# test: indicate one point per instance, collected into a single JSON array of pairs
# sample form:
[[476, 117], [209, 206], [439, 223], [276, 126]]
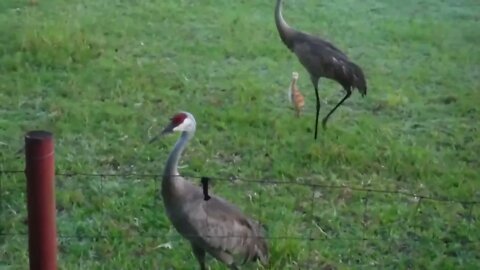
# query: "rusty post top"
[[38, 135]]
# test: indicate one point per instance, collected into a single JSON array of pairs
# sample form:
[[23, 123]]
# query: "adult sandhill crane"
[[321, 59], [295, 96], [214, 226]]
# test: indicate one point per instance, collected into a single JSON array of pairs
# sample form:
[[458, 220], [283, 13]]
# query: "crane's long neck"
[[293, 84], [172, 163], [291, 89], [285, 31]]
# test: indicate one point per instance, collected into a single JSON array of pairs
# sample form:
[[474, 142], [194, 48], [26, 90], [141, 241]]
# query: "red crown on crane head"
[[178, 118]]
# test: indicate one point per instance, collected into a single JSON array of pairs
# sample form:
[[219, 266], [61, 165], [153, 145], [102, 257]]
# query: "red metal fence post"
[[40, 172]]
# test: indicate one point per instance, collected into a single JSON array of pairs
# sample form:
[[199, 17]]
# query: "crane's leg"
[[324, 121], [200, 255], [315, 85]]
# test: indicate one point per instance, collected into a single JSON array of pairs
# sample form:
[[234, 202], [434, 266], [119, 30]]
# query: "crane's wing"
[[323, 59], [223, 230]]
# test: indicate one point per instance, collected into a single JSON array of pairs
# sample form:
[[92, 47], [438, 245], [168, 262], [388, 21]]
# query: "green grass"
[[100, 74]]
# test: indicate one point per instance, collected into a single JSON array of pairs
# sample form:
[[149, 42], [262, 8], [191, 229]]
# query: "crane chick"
[[212, 226], [295, 96]]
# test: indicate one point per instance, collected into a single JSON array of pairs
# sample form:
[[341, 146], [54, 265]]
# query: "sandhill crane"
[[321, 59], [214, 226], [295, 96]]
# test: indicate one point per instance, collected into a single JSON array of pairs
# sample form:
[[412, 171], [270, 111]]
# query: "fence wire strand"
[[440, 198]]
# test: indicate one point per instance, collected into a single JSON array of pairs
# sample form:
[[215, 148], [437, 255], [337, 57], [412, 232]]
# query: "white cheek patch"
[[184, 125]]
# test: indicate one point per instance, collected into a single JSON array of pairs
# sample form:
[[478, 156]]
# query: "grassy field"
[[104, 76]]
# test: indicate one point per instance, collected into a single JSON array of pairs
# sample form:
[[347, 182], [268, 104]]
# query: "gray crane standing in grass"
[[214, 225], [321, 59]]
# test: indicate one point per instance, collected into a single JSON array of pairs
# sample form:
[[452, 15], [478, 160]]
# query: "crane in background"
[[321, 59]]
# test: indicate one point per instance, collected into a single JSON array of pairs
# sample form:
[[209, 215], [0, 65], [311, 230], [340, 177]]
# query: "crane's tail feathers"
[[261, 246], [262, 251], [358, 79], [259, 250]]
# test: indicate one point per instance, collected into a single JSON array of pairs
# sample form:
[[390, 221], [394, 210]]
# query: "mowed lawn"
[[105, 76]]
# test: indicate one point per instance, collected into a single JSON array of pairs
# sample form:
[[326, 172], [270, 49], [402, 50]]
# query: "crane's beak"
[[168, 129]]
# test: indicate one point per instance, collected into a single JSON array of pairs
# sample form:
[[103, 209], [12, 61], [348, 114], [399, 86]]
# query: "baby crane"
[[214, 226], [321, 59], [295, 96]]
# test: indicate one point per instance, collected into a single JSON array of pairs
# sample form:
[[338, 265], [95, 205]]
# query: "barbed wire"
[[279, 237], [438, 198]]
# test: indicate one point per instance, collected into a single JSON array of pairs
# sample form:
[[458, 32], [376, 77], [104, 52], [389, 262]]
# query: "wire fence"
[[357, 207], [419, 196]]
